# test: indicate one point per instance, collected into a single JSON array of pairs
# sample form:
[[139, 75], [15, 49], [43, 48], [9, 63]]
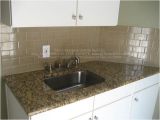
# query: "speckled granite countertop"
[[35, 96]]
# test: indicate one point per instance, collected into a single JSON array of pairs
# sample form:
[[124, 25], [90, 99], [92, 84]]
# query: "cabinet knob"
[[95, 117], [80, 17], [90, 119], [74, 17], [136, 99]]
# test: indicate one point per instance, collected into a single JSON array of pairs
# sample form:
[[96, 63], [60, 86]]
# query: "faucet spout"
[[77, 60], [73, 62]]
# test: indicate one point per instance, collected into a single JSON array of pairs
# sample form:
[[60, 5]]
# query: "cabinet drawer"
[[67, 112], [113, 95], [146, 82]]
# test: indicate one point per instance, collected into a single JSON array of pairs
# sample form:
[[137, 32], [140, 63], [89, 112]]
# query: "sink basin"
[[76, 79]]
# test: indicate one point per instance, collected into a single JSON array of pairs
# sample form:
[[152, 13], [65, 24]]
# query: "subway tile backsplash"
[[22, 47]]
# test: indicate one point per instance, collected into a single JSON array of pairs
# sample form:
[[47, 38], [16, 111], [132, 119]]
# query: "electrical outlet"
[[46, 51]]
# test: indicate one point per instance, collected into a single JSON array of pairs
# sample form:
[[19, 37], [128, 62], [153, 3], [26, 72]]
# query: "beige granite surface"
[[35, 96]]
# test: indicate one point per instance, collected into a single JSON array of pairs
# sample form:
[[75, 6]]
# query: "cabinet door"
[[32, 13], [98, 12], [119, 110], [87, 116], [113, 95], [144, 103]]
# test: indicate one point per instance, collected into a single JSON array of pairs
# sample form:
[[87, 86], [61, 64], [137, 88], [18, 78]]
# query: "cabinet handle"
[[74, 17], [95, 117], [136, 99], [80, 17]]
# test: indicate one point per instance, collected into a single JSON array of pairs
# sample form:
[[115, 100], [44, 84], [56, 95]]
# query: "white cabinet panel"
[[98, 12], [118, 110], [67, 112], [147, 82], [87, 116], [14, 109], [113, 95], [43, 13], [144, 103]]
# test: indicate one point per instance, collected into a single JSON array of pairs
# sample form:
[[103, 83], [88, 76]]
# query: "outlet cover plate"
[[46, 51]]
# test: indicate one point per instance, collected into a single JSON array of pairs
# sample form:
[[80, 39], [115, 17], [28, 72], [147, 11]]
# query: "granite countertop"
[[35, 96]]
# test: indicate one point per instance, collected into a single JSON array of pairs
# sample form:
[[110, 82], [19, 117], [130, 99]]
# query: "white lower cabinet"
[[118, 110], [139, 105], [143, 103]]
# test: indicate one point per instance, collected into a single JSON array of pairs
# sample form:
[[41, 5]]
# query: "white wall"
[[143, 13]]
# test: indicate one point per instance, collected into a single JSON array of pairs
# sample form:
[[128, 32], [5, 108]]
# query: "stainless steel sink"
[[76, 79]]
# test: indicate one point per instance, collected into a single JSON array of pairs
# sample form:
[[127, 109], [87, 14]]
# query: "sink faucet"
[[73, 61], [48, 67]]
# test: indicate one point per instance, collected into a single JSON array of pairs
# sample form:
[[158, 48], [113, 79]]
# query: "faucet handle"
[[48, 67], [73, 61], [77, 59]]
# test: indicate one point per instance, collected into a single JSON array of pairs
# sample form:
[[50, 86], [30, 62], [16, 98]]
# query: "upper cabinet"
[[43, 13], [36, 13], [27, 13], [97, 12]]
